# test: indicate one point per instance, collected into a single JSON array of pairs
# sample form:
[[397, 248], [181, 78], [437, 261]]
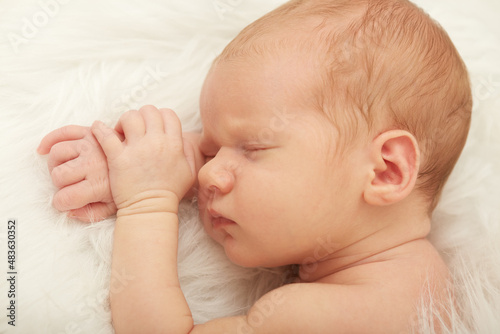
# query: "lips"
[[221, 222], [218, 221]]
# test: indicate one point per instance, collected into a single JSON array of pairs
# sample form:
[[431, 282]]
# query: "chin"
[[253, 260], [240, 257]]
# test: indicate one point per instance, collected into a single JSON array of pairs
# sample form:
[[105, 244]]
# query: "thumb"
[[108, 139]]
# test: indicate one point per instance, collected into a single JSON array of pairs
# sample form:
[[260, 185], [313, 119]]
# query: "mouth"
[[218, 221], [221, 222]]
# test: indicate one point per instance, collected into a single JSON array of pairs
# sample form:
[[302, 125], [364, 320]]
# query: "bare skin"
[[79, 170], [353, 223]]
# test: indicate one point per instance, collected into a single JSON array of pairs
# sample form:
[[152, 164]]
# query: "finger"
[[61, 153], [190, 156], [153, 119], [194, 139], [173, 127], [69, 132], [68, 173], [93, 212], [107, 138], [119, 131], [133, 125], [75, 196]]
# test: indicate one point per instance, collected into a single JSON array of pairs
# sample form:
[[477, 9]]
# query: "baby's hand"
[[78, 167], [151, 162]]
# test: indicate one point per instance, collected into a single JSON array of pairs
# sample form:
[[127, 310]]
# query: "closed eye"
[[253, 151], [253, 148]]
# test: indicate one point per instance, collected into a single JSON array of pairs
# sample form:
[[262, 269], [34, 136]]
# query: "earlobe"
[[395, 158]]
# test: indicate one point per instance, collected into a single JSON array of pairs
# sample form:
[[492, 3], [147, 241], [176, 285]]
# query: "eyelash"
[[247, 150], [250, 152], [252, 149]]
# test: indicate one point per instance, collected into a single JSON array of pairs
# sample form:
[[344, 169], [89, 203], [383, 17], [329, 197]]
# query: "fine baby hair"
[[378, 65]]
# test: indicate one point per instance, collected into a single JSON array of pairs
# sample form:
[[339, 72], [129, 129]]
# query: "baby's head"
[[321, 115], [373, 66]]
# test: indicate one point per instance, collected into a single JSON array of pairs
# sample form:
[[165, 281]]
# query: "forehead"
[[245, 91]]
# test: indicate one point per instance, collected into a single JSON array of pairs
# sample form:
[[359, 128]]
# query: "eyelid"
[[247, 148], [252, 148], [255, 145]]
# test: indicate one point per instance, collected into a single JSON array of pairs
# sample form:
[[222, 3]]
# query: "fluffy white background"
[[73, 61]]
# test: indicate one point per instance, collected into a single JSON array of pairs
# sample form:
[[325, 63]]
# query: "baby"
[[329, 130]]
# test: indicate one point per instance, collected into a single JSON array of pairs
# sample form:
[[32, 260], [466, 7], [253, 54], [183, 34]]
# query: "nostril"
[[208, 192]]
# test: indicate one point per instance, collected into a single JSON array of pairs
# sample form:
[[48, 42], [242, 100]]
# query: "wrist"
[[151, 201]]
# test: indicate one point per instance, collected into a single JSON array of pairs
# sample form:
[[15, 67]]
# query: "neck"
[[382, 236]]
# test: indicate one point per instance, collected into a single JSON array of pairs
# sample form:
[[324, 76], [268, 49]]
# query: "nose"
[[218, 174]]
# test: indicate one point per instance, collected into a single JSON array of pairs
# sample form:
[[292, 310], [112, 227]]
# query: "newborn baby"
[[329, 130]]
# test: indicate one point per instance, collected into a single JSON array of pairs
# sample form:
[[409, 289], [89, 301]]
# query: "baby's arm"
[[149, 173]]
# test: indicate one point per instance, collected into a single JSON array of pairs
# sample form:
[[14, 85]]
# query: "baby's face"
[[271, 188]]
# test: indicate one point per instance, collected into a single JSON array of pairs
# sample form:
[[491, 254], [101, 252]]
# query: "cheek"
[[272, 197]]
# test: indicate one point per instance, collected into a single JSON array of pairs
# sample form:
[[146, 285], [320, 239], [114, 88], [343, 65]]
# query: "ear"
[[395, 158]]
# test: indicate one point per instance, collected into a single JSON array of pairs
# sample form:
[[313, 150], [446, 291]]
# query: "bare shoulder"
[[322, 308], [404, 279], [420, 268], [305, 308], [376, 297], [380, 296]]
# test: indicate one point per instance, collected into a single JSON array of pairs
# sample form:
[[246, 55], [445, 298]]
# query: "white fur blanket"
[[73, 61]]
